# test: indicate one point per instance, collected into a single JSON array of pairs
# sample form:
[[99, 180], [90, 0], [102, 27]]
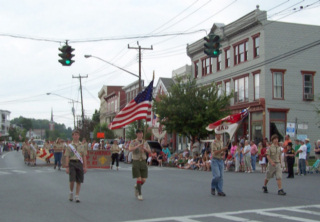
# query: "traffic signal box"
[[212, 45], [66, 55]]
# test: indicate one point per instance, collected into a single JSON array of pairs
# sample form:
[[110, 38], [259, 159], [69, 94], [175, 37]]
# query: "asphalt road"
[[170, 194]]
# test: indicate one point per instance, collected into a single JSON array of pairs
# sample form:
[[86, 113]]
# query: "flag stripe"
[[136, 109]]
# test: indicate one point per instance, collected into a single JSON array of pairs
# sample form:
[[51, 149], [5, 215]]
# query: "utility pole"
[[140, 88], [80, 77]]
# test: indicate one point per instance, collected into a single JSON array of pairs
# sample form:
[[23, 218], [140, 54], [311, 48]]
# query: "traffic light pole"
[[80, 77]]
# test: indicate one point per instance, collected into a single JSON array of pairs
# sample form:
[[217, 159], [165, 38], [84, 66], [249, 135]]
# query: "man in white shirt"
[[302, 157]]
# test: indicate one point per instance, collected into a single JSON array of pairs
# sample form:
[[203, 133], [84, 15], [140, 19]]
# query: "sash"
[[76, 153], [34, 149]]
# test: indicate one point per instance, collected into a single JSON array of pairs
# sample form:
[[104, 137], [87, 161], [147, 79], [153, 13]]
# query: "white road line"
[[4, 173], [232, 215], [304, 211], [19, 171], [286, 217]]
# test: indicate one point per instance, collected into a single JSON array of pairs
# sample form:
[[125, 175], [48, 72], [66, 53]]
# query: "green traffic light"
[[68, 62], [216, 52]]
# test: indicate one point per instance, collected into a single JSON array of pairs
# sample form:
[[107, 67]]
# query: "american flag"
[[138, 108]]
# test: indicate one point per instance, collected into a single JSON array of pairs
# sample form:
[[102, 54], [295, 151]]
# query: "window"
[[227, 85], [227, 57], [256, 82], [241, 52], [277, 83], [241, 89], [219, 89], [278, 118], [256, 45], [206, 66], [196, 68], [219, 63], [308, 93]]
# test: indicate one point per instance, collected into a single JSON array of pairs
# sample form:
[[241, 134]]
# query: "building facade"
[[4, 122], [272, 67]]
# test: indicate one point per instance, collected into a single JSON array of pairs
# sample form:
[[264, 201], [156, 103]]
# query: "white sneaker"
[[140, 197], [71, 196], [77, 199]]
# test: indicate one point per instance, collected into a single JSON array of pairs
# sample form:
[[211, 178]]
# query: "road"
[[170, 194]]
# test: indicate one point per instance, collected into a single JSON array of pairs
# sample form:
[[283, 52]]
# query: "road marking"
[[4, 173], [233, 215], [19, 171]]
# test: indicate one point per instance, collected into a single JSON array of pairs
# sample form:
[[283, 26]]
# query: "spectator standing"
[[296, 148], [237, 159], [247, 157], [290, 160], [233, 148], [166, 151], [285, 149], [307, 142], [274, 165], [254, 152], [262, 159], [317, 149], [217, 165], [302, 151], [115, 149], [195, 147]]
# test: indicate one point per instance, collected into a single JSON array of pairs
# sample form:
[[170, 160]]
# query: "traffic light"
[[212, 45], [66, 55]]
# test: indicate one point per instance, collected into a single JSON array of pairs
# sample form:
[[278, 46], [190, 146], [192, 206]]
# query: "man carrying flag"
[[229, 125]]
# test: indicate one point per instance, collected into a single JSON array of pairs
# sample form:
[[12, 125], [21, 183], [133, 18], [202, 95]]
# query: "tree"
[[188, 109], [131, 132]]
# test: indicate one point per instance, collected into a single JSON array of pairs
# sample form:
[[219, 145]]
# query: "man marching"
[[217, 166], [76, 164], [139, 148]]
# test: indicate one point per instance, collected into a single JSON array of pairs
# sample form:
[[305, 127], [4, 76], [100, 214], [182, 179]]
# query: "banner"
[[98, 159]]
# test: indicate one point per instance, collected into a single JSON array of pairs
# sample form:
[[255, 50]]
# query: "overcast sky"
[[31, 31]]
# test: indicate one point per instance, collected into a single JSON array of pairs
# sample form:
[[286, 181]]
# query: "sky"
[[31, 31]]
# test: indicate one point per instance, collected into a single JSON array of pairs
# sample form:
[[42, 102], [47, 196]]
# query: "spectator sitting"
[[185, 153], [154, 158], [160, 158], [167, 152], [181, 161], [207, 161], [189, 164], [229, 161]]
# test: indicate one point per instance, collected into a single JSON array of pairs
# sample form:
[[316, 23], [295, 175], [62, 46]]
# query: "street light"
[[139, 76], [71, 101]]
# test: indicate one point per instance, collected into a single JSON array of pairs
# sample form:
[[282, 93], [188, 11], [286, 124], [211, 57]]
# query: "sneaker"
[[281, 192], [213, 191], [265, 189], [136, 192], [77, 199], [71, 196], [221, 194], [140, 197]]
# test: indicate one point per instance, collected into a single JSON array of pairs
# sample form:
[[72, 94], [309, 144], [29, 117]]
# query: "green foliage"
[[96, 117], [189, 109], [108, 134]]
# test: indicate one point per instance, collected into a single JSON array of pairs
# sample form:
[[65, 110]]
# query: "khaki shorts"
[[139, 169], [274, 170], [76, 173]]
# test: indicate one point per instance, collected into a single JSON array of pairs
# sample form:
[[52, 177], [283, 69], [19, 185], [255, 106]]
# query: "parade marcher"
[[115, 149], [290, 160], [139, 148], [217, 166], [33, 152], [76, 164], [274, 165], [58, 148], [26, 151]]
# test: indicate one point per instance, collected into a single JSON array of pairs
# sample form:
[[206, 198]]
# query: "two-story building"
[[272, 67], [4, 122]]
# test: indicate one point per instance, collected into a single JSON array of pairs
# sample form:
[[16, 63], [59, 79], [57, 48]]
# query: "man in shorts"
[[139, 148], [274, 165], [76, 164]]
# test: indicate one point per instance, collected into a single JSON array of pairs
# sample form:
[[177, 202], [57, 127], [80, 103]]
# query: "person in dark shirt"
[[290, 160]]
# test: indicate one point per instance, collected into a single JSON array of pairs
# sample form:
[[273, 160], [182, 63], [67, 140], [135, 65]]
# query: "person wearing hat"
[[274, 165], [76, 164], [139, 148], [307, 142], [302, 151]]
